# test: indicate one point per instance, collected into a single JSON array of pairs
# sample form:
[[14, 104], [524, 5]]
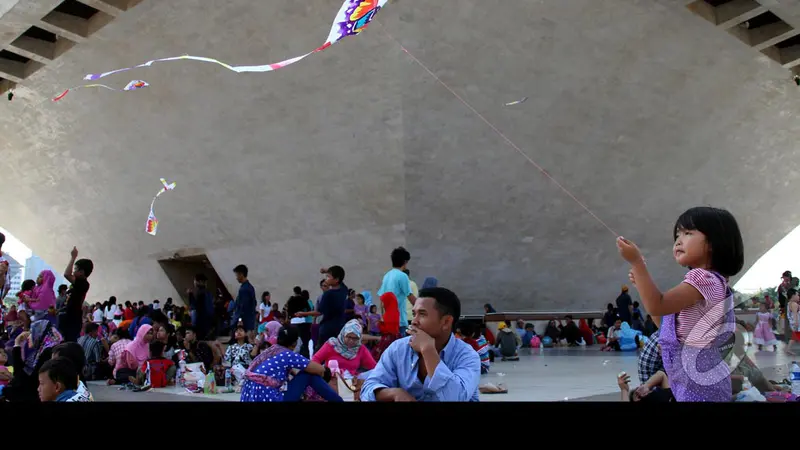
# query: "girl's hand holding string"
[[629, 251]]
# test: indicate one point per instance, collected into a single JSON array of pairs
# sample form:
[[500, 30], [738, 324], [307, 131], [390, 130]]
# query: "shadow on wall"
[[181, 272]]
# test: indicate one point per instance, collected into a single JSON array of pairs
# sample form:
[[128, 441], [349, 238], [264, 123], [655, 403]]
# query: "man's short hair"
[[240, 269], [85, 265], [91, 327], [73, 352], [156, 349], [61, 370], [447, 302], [336, 272], [400, 256], [200, 277]]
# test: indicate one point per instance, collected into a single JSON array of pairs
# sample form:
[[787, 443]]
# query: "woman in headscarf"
[[586, 332], [430, 282], [629, 338], [134, 355], [346, 350], [367, 298], [31, 350], [489, 309], [266, 380], [272, 329], [20, 324], [43, 295], [389, 325]]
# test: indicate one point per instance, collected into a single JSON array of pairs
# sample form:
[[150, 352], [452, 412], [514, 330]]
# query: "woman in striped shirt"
[[697, 319]]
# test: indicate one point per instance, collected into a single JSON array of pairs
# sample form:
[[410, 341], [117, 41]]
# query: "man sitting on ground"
[[570, 332], [655, 390], [430, 364]]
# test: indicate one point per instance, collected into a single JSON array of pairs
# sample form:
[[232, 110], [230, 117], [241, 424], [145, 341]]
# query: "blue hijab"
[[430, 282], [367, 298]]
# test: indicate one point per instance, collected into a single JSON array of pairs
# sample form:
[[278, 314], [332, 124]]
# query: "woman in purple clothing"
[[267, 378], [698, 322]]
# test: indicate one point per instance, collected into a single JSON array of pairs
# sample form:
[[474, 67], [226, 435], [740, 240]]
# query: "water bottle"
[[746, 384], [182, 370], [178, 376], [794, 376], [227, 380]]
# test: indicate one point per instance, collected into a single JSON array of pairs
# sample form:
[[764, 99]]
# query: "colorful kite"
[[152, 223], [352, 19], [132, 86]]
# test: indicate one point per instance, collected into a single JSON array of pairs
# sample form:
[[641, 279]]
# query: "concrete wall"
[[641, 109]]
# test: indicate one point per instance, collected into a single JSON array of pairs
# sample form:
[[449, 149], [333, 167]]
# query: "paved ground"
[[572, 374]]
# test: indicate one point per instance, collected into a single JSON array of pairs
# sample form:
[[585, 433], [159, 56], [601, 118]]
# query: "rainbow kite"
[[352, 19], [151, 227]]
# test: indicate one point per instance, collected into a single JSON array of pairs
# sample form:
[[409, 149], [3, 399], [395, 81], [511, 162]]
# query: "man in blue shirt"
[[245, 301], [396, 281], [430, 364], [331, 305]]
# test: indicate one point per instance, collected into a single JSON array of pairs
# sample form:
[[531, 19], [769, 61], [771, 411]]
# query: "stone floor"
[[559, 374]]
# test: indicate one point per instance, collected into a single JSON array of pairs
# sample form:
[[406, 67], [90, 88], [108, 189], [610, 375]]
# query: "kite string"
[[499, 133]]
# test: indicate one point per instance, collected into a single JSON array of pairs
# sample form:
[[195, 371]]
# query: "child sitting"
[[240, 354], [58, 380], [472, 336], [157, 372], [528, 335]]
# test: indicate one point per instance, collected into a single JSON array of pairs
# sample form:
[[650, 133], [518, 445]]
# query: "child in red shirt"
[[157, 372]]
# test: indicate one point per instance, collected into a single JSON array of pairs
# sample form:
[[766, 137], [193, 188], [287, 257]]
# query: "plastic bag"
[[750, 395]]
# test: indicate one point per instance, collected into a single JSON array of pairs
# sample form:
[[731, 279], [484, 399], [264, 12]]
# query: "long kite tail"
[[351, 19], [131, 86]]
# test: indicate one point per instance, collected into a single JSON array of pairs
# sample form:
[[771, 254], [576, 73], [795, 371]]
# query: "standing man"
[[245, 301], [7, 284], [625, 305], [331, 306], [298, 304], [397, 282], [77, 273], [202, 305]]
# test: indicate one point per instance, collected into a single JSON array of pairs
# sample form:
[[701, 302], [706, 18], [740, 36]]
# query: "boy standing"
[[396, 281], [77, 273]]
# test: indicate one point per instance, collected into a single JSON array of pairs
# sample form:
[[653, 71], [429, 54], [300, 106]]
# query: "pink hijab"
[[43, 293], [272, 331], [140, 349]]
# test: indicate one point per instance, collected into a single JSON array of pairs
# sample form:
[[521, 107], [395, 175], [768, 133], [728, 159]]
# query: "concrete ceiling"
[[640, 108]]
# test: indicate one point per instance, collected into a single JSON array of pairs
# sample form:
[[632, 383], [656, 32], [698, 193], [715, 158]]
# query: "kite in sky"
[[132, 86], [352, 19], [152, 223]]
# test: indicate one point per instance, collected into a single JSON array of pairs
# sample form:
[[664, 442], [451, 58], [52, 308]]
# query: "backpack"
[[535, 342]]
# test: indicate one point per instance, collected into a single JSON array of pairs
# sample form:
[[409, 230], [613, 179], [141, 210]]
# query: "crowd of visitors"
[[409, 346]]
